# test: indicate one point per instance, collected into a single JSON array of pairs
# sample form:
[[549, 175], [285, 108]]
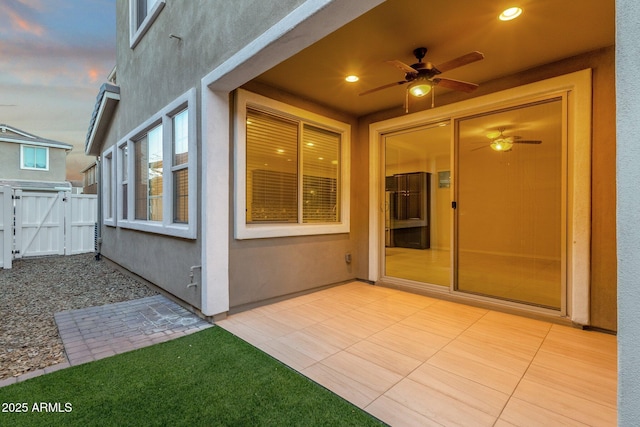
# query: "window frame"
[[137, 31], [175, 169], [36, 147], [243, 230], [167, 226], [109, 170]]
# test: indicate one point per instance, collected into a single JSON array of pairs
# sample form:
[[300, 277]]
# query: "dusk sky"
[[55, 54]]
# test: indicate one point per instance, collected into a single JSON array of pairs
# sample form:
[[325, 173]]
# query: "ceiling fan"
[[499, 142], [422, 75]]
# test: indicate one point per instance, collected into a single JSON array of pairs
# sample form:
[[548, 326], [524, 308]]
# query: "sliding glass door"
[[510, 202], [417, 224]]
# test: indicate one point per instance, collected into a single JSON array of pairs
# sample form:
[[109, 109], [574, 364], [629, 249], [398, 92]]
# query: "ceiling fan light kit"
[[420, 88], [502, 144], [499, 142], [421, 76], [510, 13]]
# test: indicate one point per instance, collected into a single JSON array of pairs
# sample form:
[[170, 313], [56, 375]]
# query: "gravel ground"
[[34, 289]]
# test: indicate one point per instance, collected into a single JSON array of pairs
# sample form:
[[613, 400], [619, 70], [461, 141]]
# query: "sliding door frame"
[[577, 89]]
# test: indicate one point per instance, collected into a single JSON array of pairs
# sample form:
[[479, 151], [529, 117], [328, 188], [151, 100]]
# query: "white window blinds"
[[272, 168], [292, 171]]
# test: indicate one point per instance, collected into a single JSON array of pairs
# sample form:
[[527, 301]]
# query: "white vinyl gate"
[[39, 223]]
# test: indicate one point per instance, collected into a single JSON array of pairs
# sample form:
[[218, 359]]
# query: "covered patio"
[[413, 360]]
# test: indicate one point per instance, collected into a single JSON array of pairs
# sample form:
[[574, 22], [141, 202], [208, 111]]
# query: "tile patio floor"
[[413, 360]]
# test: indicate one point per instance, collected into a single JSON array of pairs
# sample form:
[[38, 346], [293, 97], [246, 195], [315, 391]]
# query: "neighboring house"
[[90, 179], [29, 162], [238, 167]]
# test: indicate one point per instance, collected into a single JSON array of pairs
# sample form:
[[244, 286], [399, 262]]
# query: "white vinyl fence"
[[41, 223]]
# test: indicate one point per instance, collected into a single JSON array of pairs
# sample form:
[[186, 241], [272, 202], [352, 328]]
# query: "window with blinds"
[[292, 171], [320, 171]]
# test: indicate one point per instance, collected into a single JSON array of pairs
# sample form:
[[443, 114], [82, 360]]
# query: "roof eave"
[[105, 107]]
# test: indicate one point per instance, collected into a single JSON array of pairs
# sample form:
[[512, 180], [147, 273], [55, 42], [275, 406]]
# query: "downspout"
[[99, 191]]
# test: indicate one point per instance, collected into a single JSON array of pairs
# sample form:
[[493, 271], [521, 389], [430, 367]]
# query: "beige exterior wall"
[[160, 68], [155, 72], [260, 269], [10, 164]]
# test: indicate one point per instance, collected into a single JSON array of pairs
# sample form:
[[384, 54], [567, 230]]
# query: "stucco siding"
[[150, 76], [261, 269], [10, 164], [160, 67], [628, 213]]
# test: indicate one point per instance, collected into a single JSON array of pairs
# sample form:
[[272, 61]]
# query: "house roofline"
[[92, 164], [103, 111], [29, 138], [23, 184]]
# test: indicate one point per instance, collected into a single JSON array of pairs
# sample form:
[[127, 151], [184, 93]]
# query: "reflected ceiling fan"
[[421, 76], [499, 142]]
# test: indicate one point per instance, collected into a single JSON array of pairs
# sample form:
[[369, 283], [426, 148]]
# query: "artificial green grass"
[[210, 378]]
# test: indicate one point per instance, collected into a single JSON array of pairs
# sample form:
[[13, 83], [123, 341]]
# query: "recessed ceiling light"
[[352, 78], [511, 13]]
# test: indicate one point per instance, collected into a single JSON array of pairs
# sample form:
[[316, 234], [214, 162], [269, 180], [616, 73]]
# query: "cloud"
[[54, 54], [21, 17], [33, 4], [21, 24], [47, 61]]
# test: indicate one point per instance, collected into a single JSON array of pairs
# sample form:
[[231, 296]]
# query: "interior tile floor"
[[534, 281], [413, 360]]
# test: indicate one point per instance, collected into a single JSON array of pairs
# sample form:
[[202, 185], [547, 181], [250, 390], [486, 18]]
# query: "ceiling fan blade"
[[455, 84], [383, 87], [460, 61], [402, 66], [524, 141]]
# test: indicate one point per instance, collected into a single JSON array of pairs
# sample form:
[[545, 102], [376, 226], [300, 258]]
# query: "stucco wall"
[[158, 70], [160, 67], [628, 212], [260, 269], [10, 164], [603, 228]]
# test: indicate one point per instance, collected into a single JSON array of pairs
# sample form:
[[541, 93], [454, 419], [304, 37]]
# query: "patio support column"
[[628, 209], [215, 202]]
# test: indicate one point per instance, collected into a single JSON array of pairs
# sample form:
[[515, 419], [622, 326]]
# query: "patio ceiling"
[[548, 30]]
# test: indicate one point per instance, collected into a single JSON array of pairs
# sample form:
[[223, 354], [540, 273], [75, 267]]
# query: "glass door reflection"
[[509, 216], [417, 205]]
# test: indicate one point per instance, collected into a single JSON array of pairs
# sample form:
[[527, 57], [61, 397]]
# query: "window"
[[142, 13], [108, 193], [292, 170], [35, 158], [148, 179], [123, 180], [180, 168], [90, 176], [156, 172]]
